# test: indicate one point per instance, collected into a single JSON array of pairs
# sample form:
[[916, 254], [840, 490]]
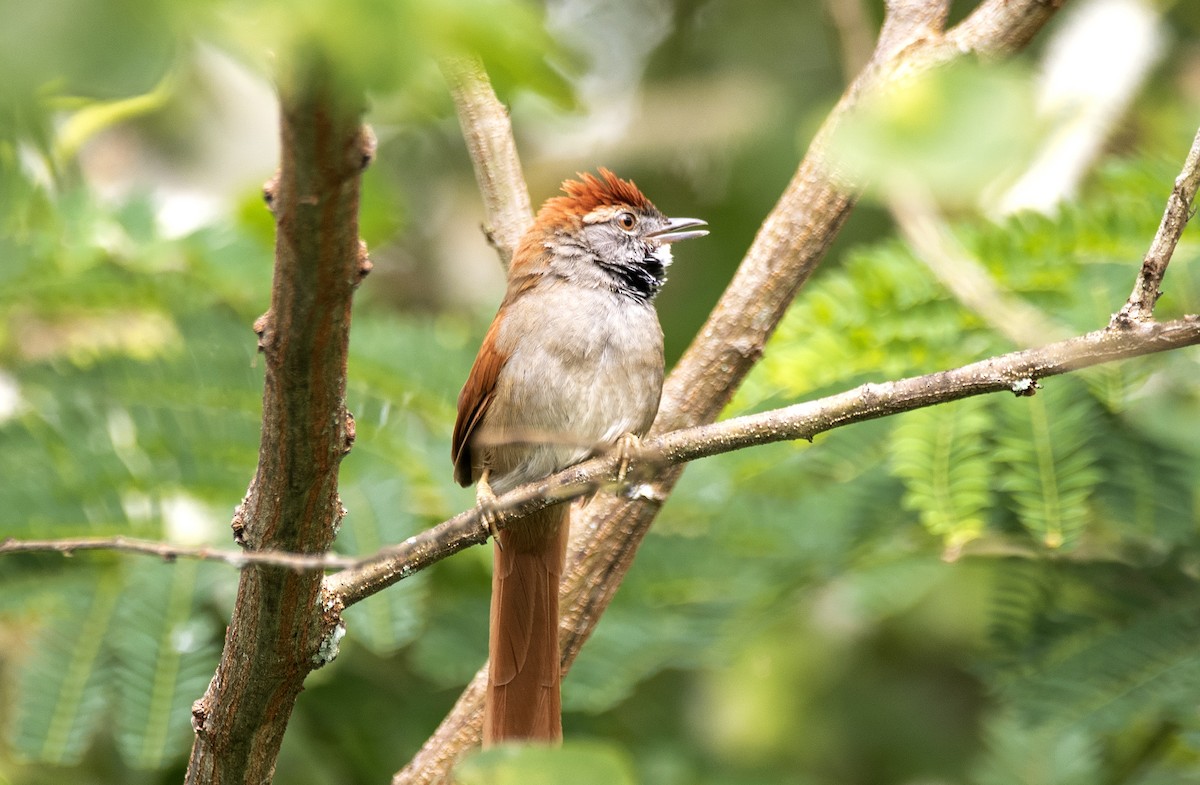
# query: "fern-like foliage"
[[1017, 751], [136, 389], [943, 457], [1092, 659], [1097, 655], [63, 685], [391, 619], [1045, 444], [1101, 647], [132, 645], [164, 652]]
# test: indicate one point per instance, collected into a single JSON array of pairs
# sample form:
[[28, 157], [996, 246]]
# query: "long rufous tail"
[[523, 700]]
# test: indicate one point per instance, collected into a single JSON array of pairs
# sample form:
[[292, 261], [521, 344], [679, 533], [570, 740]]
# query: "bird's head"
[[604, 232]]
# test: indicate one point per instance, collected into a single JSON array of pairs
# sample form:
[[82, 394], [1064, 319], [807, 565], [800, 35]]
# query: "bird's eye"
[[627, 221]]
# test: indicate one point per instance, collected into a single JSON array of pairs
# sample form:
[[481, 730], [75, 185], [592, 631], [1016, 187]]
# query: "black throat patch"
[[640, 281]]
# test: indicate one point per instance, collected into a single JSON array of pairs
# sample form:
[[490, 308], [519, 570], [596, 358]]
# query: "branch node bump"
[[489, 235], [238, 525], [368, 144], [200, 715], [645, 491], [262, 326], [364, 266], [270, 190], [1026, 387], [350, 431], [333, 626]]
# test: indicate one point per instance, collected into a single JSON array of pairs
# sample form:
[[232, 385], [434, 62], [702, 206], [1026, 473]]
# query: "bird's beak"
[[672, 232]]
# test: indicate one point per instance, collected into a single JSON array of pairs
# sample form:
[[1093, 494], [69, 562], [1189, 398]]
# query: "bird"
[[571, 366]]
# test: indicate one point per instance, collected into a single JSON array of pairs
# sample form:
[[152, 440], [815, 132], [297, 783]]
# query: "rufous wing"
[[473, 402]]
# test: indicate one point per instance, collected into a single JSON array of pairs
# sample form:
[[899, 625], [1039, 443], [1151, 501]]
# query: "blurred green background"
[[1001, 590]]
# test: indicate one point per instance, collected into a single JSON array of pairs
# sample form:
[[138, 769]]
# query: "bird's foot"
[[629, 448], [489, 508]]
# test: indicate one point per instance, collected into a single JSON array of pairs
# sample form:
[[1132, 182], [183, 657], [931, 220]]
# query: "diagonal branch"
[[1179, 209], [816, 204], [493, 150], [916, 216], [361, 577], [1016, 372]]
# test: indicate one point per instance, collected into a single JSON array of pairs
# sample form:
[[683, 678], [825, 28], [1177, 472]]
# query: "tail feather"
[[523, 701]]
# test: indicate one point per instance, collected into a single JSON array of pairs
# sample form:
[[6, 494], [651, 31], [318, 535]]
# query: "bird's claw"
[[489, 512], [629, 448]]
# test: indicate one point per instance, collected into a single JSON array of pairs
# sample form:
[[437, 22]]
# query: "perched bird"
[[572, 364]]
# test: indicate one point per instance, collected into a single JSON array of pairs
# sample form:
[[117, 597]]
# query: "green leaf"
[[630, 645], [1147, 668], [1020, 752], [407, 40], [1046, 446], [579, 763], [63, 686], [880, 315], [943, 456], [1150, 488], [886, 586], [377, 518], [954, 130], [165, 654], [1098, 646]]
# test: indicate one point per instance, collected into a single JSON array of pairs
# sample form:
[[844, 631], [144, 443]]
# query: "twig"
[[488, 133], [1015, 373], [1001, 27], [361, 577], [366, 575], [68, 546], [1179, 209]]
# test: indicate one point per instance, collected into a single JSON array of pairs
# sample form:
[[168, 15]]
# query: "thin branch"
[[68, 546], [1000, 27], [361, 577], [1017, 373], [1124, 338], [1179, 209], [488, 133], [610, 531]]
